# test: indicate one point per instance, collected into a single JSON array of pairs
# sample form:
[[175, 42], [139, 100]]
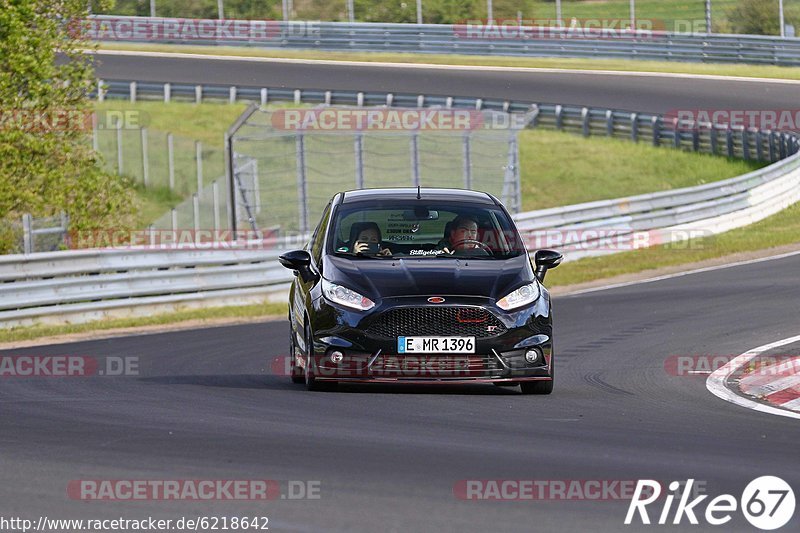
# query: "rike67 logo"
[[767, 502]]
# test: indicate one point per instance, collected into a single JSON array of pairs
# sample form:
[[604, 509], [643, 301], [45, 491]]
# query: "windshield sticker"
[[342, 249]]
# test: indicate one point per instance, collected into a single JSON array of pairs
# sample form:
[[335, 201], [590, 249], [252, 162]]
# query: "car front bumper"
[[346, 349]]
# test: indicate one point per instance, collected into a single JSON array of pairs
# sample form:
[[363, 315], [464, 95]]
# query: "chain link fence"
[[287, 164], [30, 234]]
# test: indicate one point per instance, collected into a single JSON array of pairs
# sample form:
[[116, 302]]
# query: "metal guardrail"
[[477, 39], [93, 284], [80, 285]]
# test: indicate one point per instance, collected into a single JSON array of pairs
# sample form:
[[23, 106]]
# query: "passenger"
[[365, 238]]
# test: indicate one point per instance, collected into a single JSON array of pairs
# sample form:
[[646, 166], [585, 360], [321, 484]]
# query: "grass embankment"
[[618, 65]]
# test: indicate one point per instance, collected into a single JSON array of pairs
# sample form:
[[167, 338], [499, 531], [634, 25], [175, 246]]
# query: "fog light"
[[337, 357], [534, 355]]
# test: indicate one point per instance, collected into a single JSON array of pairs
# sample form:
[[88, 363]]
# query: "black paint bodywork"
[[408, 283]]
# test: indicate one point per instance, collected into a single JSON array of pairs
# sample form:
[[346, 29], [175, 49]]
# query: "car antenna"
[[419, 196]]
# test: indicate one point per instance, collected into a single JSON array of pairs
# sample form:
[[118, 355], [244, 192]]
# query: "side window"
[[318, 239]]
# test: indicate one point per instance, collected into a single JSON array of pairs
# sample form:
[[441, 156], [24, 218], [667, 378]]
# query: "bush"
[[758, 17]]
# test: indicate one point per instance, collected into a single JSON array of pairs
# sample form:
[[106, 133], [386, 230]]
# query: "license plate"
[[435, 345]]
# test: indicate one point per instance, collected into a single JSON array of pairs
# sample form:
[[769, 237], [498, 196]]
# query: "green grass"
[[562, 169], [778, 230], [267, 310], [620, 65]]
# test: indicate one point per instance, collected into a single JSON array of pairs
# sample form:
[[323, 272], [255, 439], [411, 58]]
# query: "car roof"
[[426, 193]]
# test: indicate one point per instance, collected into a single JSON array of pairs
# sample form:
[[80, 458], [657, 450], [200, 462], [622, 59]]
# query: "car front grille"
[[435, 367], [446, 321]]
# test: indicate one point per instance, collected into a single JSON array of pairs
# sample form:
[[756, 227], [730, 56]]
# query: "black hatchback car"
[[419, 286]]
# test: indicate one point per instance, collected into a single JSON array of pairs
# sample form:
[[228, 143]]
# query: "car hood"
[[388, 278]]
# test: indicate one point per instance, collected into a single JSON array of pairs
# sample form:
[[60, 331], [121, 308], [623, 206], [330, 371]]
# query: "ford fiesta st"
[[419, 286]]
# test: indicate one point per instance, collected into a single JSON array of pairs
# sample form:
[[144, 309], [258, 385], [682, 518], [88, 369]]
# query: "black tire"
[[311, 382], [536, 387], [296, 373]]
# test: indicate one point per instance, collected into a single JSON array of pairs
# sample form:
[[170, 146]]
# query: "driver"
[[462, 237]]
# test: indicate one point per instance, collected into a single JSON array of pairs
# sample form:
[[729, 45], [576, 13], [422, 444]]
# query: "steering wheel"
[[480, 245]]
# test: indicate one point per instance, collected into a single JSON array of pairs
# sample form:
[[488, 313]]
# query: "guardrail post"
[[635, 127], [771, 144], [119, 147], [585, 122], [215, 203], [415, 181], [696, 138], [297, 97], [759, 145], [132, 90], [360, 99], [264, 96], [609, 123], [198, 160], [389, 99], [745, 144], [327, 98], [729, 141], [27, 234], [171, 161], [479, 104], [151, 231], [198, 94], [448, 103], [559, 117], [358, 149], [676, 139], [232, 95], [783, 148], [421, 100], [713, 139], [174, 219], [656, 131], [302, 185], [467, 160], [101, 94], [145, 158], [167, 92]]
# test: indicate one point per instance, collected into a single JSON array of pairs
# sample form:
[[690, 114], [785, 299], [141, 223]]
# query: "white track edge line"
[[716, 381]]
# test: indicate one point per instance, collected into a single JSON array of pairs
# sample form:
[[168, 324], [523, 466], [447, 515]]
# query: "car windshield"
[[380, 230]]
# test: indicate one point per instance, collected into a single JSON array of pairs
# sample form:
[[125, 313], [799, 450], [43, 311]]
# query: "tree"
[[46, 161]]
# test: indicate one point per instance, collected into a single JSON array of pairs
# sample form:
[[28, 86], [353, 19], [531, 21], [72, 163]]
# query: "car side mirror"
[[544, 261], [300, 262]]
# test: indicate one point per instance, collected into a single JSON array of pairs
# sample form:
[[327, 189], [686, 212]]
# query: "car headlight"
[[344, 296], [523, 296]]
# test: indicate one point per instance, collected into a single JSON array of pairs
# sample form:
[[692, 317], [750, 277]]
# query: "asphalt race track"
[[206, 404], [636, 93]]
